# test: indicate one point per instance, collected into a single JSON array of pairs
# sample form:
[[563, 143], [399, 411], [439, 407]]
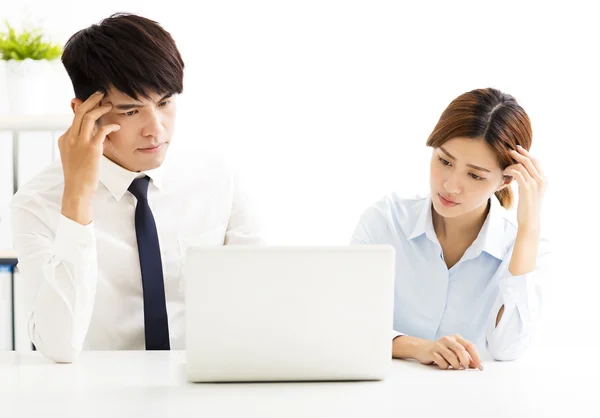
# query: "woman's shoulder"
[[503, 228], [393, 211], [394, 204]]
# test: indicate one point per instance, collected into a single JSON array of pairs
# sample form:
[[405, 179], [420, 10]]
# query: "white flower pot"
[[3, 88], [60, 90], [28, 82]]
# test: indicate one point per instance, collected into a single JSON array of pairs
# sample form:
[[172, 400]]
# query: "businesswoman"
[[468, 271]]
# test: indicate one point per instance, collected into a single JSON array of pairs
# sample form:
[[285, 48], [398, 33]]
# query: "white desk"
[[153, 384]]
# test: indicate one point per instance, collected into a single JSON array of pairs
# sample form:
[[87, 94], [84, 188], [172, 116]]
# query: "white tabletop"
[[153, 384]]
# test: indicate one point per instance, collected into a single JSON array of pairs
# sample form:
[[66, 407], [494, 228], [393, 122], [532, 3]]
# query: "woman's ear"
[[505, 183]]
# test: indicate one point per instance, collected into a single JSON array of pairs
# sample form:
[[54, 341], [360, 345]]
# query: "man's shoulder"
[[47, 186], [201, 169]]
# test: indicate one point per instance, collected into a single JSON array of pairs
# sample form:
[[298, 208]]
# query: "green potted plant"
[[27, 56]]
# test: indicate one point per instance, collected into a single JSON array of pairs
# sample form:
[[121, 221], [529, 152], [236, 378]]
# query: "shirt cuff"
[[522, 291], [396, 334], [520, 297], [74, 242], [514, 289]]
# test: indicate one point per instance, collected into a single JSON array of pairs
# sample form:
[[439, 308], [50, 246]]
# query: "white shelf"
[[7, 253], [56, 122]]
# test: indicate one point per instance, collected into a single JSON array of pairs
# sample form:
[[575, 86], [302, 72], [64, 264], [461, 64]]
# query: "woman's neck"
[[463, 227]]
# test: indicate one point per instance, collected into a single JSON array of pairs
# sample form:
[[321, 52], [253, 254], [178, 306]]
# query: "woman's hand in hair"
[[532, 185]]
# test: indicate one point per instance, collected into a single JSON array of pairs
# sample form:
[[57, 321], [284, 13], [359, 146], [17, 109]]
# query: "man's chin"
[[151, 165], [137, 164], [151, 160]]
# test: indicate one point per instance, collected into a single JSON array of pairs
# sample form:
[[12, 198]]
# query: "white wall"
[[326, 105]]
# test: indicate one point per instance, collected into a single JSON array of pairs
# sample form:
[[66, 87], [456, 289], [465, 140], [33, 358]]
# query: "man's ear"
[[75, 103], [505, 184]]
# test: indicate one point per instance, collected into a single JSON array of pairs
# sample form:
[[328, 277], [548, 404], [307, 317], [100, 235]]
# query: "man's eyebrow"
[[129, 106]]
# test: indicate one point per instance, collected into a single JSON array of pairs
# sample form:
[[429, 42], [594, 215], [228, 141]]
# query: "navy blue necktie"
[[156, 323]]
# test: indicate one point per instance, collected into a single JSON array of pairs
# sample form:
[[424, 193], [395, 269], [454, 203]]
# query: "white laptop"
[[260, 313]]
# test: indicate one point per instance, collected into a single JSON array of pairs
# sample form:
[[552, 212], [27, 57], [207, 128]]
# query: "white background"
[[326, 106]]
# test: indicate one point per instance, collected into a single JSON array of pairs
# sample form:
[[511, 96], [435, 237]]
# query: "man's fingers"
[[88, 124], [472, 350], [64, 137], [103, 131], [84, 108]]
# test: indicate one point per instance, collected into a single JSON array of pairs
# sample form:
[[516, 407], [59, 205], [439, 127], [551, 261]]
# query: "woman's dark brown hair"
[[490, 115]]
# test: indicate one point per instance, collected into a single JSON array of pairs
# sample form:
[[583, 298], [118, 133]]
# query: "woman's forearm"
[[406, 346], [525, 252]]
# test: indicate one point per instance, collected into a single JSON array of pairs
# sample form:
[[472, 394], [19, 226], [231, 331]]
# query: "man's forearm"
[[77, 208]]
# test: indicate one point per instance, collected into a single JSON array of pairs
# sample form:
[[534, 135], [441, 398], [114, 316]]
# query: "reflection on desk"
[[153, 384]]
